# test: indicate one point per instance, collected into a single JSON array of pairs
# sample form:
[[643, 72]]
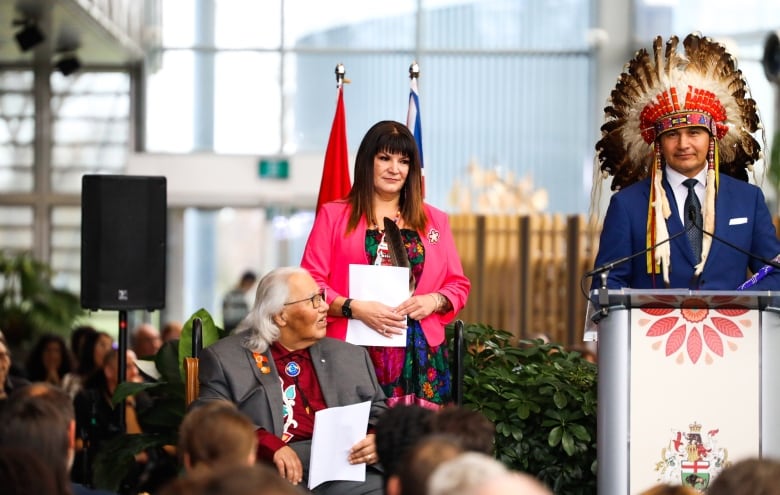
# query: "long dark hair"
[[392, 137], [36, 372], [86, 353]]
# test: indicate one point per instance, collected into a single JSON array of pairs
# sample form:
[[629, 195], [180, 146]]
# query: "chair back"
[[457, 363], [191, 383]]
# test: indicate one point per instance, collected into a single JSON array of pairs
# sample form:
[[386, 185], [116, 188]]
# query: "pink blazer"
[[329, 252]]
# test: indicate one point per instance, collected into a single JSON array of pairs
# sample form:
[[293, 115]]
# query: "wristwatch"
[[346, 311]]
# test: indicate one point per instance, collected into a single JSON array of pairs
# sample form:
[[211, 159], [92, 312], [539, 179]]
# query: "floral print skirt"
[[417, 374]]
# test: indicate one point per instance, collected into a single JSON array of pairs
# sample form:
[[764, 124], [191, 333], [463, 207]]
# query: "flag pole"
[[413, 121], [335, 182]]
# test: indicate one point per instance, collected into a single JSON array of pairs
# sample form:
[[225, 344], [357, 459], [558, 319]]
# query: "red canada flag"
[[335, 183]]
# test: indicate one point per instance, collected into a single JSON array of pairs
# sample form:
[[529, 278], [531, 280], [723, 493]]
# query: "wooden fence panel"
[[464, 229], [525, 272]]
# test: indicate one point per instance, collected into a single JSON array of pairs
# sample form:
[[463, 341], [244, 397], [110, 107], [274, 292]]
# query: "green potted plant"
[[542, 400], [29, 304]]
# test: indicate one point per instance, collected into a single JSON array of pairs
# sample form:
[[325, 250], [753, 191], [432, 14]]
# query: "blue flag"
[[414, 124]]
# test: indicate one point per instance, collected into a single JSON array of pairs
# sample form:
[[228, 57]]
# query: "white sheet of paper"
[[386, 284], [336, 430]]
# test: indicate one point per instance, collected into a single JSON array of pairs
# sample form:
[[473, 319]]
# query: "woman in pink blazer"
[[388, 185]]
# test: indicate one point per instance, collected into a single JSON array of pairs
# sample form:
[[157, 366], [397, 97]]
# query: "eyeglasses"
[[316, 299]]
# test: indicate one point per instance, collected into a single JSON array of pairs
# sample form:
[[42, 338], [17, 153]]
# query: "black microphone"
[[612, 264], [766, 261]]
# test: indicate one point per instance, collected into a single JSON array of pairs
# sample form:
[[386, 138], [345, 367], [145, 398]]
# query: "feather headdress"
[[666, 90]]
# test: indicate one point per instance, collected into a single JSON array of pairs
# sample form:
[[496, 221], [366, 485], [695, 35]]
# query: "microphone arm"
[[612, 264], [603, 271]]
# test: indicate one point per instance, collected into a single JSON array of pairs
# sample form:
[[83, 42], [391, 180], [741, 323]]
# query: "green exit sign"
[[274, 168]]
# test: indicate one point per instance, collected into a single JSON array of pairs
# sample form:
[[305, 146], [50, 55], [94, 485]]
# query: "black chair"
[[458, 356]]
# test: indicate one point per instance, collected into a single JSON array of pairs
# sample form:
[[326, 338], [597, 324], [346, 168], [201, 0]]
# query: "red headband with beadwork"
[[701, 109]]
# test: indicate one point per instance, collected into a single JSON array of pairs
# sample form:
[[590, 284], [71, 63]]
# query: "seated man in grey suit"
[[279, 369]]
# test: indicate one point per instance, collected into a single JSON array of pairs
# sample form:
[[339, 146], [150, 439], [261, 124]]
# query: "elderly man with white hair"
[[279, 369]]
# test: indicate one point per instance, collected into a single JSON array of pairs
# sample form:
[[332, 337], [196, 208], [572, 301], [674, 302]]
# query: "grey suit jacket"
[[228, 371]]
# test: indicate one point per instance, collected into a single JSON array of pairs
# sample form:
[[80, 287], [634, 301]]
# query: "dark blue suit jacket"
[[741, 218]]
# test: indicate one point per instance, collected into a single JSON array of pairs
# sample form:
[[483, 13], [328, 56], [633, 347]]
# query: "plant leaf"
[[539, 398], [116, 458], [126, 389], [567, 441], [579, 432], [167, 362], [210, 334], [554, 438]]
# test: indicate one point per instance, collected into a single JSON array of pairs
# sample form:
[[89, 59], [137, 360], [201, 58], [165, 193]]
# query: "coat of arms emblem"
[[692, 459]]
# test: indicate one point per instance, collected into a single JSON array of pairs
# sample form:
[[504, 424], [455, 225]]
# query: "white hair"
[[464, 474], [272, 291], [513, 482]]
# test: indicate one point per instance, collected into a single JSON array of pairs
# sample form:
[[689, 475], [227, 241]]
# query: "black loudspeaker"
[[771, 58], [123, 242]]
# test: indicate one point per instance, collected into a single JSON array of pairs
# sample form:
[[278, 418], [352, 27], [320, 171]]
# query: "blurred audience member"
[[146, 340], [397, 431], [234, 480], [475, 432], [171, 331], [748, 477], [77, 336], [668, 489], [430, 437], [24, 473], [216, 435], [235, 305], [97, 420], [516, 483], [39, 417], [8, 381], [49, 360], [92, 351], [474, 473], [420, 462]]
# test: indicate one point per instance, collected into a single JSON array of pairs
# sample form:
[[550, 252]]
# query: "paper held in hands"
[[336, 430], [386, 284]]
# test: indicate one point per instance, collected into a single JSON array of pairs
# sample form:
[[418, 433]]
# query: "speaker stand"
[[122, 364]]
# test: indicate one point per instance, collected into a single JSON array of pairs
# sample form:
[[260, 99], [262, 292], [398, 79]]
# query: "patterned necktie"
[[693, 214]]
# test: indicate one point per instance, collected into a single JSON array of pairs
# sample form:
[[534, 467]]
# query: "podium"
[[689, 382]]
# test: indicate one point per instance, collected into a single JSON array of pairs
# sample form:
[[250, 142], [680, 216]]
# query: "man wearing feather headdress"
[[678, 142]]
